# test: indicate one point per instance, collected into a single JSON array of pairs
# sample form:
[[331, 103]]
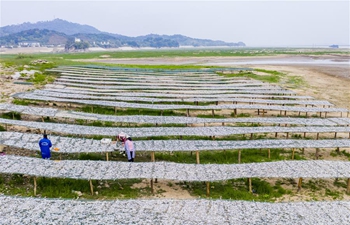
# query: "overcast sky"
[[256, 23]]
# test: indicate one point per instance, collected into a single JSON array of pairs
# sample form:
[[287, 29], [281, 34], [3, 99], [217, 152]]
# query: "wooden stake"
[[197, 157], [42, 119], [152, 188], [348, 187], [299, 183], [107, 156], [317, 136], [251, 136], [250, 185], [91, 188], [316, 155], [235, 112], [293, 150], [34, 186], [153, 159], [335, 135], [188, 112], [212, 112], [208, 188], [287, 135], [239, 156]]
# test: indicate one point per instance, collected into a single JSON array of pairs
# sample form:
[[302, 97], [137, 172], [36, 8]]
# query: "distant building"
[[334, 46], [76, 40], [28, 44]]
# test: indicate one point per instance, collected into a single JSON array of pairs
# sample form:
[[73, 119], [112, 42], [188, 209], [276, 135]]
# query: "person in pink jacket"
[[129, 149]]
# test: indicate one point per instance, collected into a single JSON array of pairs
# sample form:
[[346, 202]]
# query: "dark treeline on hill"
[[59, 32]]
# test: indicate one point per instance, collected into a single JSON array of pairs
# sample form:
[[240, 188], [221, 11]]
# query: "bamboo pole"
[[34, 186], [299, 183], [208, 188], [197, 157], [152, 188], [239, 155], [153, 159], [91, 187], [250, 185]]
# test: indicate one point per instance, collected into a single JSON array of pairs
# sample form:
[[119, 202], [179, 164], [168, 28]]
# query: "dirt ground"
[[323, 82]]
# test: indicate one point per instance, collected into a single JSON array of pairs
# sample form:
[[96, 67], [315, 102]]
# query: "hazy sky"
[[256, 23]]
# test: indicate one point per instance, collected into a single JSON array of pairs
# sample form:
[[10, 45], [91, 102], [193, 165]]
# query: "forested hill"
[[61, 32], [58, 25]]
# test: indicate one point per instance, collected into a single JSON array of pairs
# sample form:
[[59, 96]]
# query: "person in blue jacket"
[[45, 145]]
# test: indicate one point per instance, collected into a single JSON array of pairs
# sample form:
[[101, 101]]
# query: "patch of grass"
[[91, 156], [11, 115], [123, 112], [23, 102], [41, 79], [313, 184], [340, 183], [226, 157], [2, 128], [333, 194], [242, 115], [346, 154], [236, 189], [295, 81], [273, 77], [14, 184], [210, 116]]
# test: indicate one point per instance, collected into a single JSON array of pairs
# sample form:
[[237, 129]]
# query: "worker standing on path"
[[45, 145], [130, 149]]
